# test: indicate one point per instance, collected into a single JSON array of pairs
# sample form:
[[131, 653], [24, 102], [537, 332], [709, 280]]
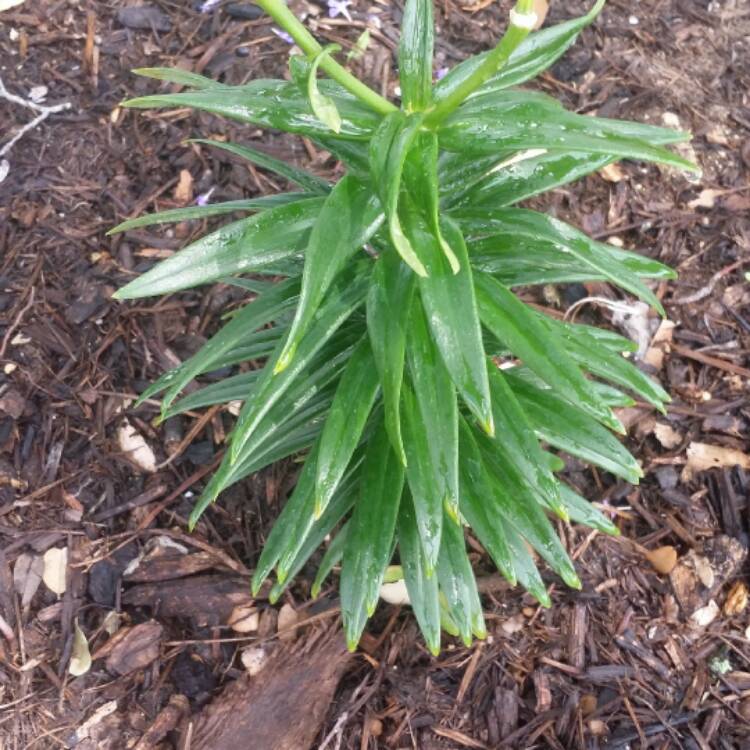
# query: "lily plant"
[[402, 358]]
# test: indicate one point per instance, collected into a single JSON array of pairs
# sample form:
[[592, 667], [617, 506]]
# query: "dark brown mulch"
[[637, 659]]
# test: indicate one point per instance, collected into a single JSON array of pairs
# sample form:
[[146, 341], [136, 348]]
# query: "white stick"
[[44, 113]]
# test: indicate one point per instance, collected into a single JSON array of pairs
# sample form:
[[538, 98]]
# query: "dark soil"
[[639, 658]]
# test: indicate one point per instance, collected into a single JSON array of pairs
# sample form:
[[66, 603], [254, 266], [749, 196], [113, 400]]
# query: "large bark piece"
[[281, 708]]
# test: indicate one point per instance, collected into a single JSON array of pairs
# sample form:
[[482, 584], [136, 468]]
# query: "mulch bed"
[[653, 652]]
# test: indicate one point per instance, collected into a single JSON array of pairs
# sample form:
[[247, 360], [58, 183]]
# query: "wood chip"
[[133, 648], [662, 559], [80, 659], [703, 456], [55, 570], [183, 192], [736, 602]]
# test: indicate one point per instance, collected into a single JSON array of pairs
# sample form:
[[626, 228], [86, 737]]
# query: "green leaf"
[[536, 53], [389, 147], [331, 558], [427, 487], [323, 107], [370, 538], [475, 506], [438, 408], [540, 227], [518, 444], [351, 407], [512, 177], [511, 321], [292, 423], [458, 585], [272, 104], [250, 346], [591, 354], [289, 534], [525, 567], [421, 585], [524, 175], [311, 386], [583, 512], [203, 212], [521, 120], [180, 77], [267, 307], [233, 388], [348, 218], [451, 309], [569, 429], [389, 300], [415, 55], [241, 247], [341, 303], [421, 185], [523, 259], [518, 503], [309, 531], [304, 179]]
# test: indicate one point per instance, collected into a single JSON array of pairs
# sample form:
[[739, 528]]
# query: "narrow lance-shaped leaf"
[[518, 504], [332, 557], [421, 184], [518, 443], [438, 407], [304, 179], [351, 407], [241, 247], [516, 325], [389, 301], [271, 386], [389, 147], [582, 511], [348, 218], [421, 585], [458, 584], [475, 505], [294, 559], [266, 308], [518, 260], [593, 356], [272, 104], [521, 120], [427, 487], [203, 212], [540, 227], [533, 55], [371, 532], [451, 310], [415, 54], [567, 428], [525, 567], [323, 107], [180, 77]]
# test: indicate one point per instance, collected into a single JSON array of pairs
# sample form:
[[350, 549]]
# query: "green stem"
[[495, 60], [310, 46]]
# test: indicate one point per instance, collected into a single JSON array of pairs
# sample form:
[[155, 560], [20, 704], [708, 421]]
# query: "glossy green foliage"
[[372, 357]]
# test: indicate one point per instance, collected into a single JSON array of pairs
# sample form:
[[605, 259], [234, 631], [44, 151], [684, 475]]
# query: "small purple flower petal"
[[440, 73], [203, 198], [282, 35], [339, 8]]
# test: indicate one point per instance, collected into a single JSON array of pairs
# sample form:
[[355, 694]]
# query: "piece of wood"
[[281, 709]]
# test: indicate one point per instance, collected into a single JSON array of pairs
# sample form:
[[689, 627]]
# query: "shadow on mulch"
[[648, 654]]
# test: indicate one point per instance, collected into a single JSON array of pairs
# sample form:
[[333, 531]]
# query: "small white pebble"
[[633, 20]]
